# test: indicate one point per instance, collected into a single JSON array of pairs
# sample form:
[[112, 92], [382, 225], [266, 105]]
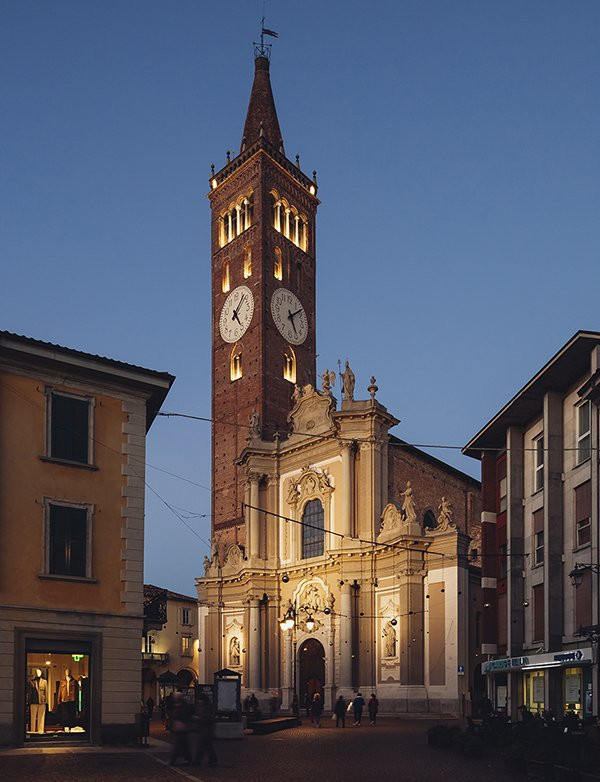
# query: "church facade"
[[343, 558]]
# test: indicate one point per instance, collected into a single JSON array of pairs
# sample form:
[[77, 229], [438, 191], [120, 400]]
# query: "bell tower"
[[263, 295]]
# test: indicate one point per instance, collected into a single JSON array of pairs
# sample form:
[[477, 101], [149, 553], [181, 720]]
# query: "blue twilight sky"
[[456, 145]]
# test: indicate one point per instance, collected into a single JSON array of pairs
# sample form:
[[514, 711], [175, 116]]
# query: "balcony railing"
[[155, 657]]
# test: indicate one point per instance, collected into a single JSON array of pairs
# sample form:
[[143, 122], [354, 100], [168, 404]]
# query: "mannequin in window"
[[67, 700], [38, 698]]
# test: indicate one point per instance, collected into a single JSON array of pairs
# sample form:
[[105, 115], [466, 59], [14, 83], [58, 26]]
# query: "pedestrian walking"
[[316, 709], [373, 707], [181, 715], [358, 705], [340, 712], [201, 734]]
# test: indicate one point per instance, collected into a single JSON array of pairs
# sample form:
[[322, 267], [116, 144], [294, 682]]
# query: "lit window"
[[278, 265], [236, 362], [584, 434], [186, 645], [236, 220], [225, 282], [69, 427], [313, 529], [288, 222], [247, 261], [68, 540], [538, 463], [289, 365]]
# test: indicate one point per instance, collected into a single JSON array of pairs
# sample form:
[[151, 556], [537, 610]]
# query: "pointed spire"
[[261, 119]]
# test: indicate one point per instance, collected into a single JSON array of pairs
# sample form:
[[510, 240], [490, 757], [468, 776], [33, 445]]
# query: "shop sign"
[[552, 660]]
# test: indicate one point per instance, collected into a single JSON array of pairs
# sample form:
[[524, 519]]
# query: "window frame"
[[538, 548], [306, 545], [584, 452], [49, 503], [538, 466], [185, 616], [186, 648], [52, 392]]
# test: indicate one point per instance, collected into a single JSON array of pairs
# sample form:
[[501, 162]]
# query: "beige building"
[[541, 543], [72, 461], [170, 643]]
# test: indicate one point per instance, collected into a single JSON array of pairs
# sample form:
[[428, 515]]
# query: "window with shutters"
[[583, 601], [538, 612], [583, 514], [69, 427], [68, 540]]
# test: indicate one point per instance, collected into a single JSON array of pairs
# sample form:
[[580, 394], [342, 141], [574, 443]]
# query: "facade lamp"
[[576, 575], [310, 624], [289, 622]]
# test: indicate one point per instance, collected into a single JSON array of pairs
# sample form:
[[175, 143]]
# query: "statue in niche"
[[207, 564], [409, 509], [389, 640], [253, 426], [348, 381], [234, 651], [445, 516], [328, 379]]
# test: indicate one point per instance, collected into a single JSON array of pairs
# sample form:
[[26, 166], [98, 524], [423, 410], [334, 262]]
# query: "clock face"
[[289, 316], [236, 314]]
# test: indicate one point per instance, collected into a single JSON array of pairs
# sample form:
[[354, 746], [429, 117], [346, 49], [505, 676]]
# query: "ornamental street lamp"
[[576, 575], [291, 619]]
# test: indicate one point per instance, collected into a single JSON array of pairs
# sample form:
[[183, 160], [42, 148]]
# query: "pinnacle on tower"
[[261, 119]]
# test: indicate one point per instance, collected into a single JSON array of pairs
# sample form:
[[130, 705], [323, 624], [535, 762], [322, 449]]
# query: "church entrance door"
[[311, 679]]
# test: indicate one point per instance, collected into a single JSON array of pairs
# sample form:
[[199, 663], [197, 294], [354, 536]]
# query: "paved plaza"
[[393, 750]]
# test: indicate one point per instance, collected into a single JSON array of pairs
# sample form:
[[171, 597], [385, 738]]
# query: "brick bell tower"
[[263, 296]]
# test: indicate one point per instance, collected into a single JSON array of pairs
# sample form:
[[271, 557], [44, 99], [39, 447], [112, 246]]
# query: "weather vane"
[[263, 49]]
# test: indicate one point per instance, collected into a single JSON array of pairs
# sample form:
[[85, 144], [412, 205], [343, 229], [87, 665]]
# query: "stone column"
[[287, 689], [254, 540], [347, 491], [345, 680], [254, 644]]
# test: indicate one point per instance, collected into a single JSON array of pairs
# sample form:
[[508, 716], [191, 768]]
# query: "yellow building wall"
[[26, 479]]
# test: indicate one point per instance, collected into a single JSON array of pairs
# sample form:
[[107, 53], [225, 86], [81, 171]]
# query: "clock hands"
[[293, 314], [235, 315], [291, 318]]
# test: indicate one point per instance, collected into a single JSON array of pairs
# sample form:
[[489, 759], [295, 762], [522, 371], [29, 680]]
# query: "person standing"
[[150, 707], [316, 709], [202, 732], [373, 707], [340, 712], [358, 705], [181, 715]]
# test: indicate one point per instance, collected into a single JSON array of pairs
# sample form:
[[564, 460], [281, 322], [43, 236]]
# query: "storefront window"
[[572, 690], [57, 694], [533, 689]]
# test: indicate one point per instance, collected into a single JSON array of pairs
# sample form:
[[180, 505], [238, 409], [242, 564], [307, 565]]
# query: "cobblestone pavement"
[[393, 750]]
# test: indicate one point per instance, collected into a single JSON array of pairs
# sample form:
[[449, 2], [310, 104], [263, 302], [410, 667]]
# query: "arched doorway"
[[185, 678], [311, 664]]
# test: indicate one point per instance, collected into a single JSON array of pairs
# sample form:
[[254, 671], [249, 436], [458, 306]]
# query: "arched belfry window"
[[313, 529], [247, 261], [225, 281], [237, 219], [278, 265], [429, 521], [289, 365], [287, 221], [235, 366]]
